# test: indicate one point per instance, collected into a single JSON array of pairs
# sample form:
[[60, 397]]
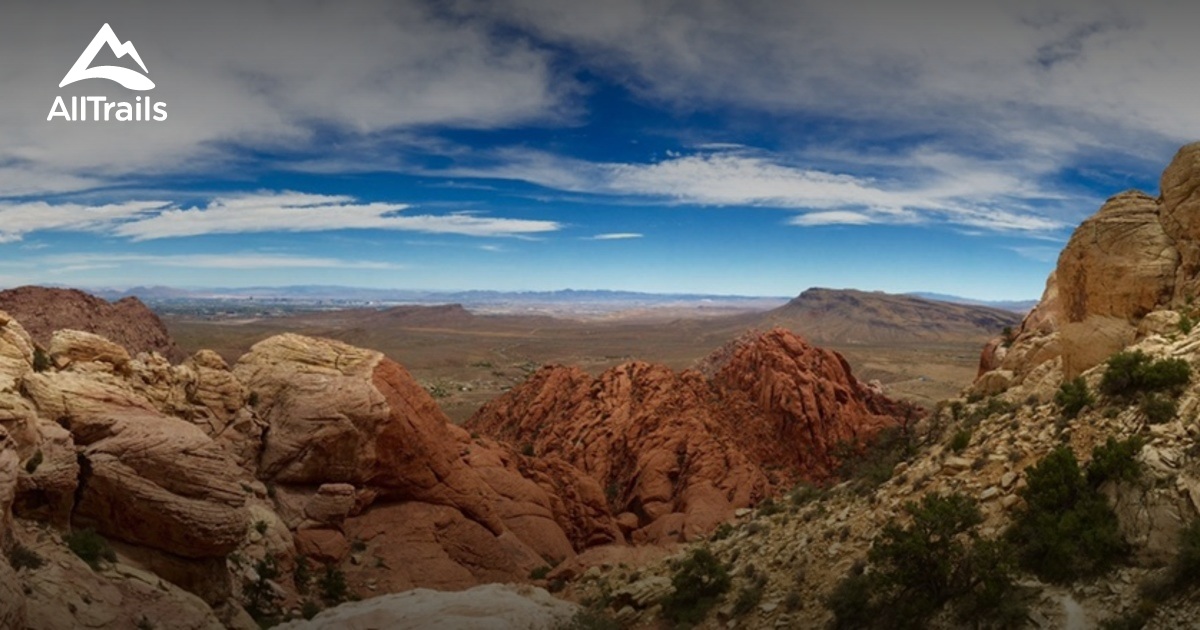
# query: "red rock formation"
[[437, 508], [679, 452], [128, 322]]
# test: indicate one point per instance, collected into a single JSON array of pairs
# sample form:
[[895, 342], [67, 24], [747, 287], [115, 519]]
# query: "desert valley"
[[844, 459]]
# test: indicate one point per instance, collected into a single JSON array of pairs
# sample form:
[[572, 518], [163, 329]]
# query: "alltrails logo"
[[100, 108]]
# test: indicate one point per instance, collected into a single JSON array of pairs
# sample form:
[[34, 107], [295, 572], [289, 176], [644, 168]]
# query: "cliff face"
[[679, 453], [1125, 274]]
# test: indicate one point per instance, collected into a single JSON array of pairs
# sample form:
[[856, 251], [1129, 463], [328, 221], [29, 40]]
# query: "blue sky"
[[754, 148]]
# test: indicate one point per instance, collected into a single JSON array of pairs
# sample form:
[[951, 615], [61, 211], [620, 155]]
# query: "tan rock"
[[489, 607], [331, 504], [71, 347], [49, 477], [16, 350], [159, 482]]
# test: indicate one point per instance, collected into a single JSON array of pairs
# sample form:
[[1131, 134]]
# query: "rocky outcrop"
[[362, 452], [1119, 276], [127, 322], [680, 452]]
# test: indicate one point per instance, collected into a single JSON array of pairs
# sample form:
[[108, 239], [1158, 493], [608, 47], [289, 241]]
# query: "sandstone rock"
[[323, 545], [65, 593], [9, 467], [49, 477], [683, 452], [331, 504], [158, 482], [1120, 275], [127, 322], [12, 599], [993, 382], [645, 592], [71, 347], [1159, 323], [1008, 479], [348, 416], [16, 350], [490, 607]]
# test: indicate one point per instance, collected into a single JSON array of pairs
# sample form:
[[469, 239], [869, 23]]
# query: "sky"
[[746, 147]]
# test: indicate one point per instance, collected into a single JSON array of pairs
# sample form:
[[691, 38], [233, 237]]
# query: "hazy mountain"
[[1016, 306], [850, 316]]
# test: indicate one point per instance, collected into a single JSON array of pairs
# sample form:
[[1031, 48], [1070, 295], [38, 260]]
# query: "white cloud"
[[616, 236], [249, 213], [923, 187], [1043, 76], [831, 217], [258, 76]]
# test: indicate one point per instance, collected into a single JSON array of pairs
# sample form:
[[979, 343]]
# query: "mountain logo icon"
[[128, 78]]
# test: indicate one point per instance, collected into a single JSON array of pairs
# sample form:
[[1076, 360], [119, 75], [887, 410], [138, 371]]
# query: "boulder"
[[489, 607]]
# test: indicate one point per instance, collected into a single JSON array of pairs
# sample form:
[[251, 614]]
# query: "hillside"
[[846, 316], [128, 322]]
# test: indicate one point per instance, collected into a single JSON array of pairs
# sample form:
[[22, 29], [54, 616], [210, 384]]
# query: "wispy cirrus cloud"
[[264, 211], [615, 236], [925, 186]]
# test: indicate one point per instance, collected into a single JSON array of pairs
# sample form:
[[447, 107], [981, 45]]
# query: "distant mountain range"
[[335, 293], [411, 296], [1016, 306]]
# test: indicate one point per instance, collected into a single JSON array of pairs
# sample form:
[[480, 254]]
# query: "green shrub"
[[41, 361], [259, 596], [1186, 323], [768, 507], [699, 581], [918, 570], [1157, 408], [1131, 373], [90, 547], [872, 463], [993, 406], [1115, 461], [22, 557], [539, 573], [1073, 396], [302, 576], [333, 586], [723, 531], [1067, 530], [960, 440], [748, 598], [850, 602]]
